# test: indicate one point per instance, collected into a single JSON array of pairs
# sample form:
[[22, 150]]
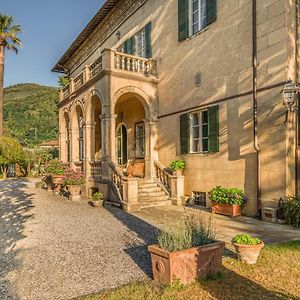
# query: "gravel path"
[[52, 248]]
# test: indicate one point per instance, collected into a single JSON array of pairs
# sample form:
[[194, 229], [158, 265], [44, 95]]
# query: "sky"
[[49, 27]]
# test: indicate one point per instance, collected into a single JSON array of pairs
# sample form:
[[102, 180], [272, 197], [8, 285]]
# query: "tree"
[[11, 152], [63, 80], [8, 40]]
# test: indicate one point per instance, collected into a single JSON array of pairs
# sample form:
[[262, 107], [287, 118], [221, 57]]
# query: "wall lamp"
[[289, 95]]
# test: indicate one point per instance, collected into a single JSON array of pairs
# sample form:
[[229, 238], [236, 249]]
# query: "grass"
[[275, 276]]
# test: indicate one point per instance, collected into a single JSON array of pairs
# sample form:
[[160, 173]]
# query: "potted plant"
[[56, 170], [292, 211], [227, 201], [97, 199], [73, 180], [186, 252], [247, 247], [177, 166]]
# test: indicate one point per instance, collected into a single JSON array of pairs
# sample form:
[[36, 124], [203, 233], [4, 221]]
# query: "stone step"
[[147, 185], [153, 198], [150, 189], [151, 194], [149, 204]]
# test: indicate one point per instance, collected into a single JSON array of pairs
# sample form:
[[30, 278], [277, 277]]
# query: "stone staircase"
[[151, 194]]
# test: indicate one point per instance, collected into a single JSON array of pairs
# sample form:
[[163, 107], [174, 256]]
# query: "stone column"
[[130, 194], [63, 146]]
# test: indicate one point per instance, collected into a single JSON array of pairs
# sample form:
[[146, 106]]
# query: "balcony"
[[110, 60]]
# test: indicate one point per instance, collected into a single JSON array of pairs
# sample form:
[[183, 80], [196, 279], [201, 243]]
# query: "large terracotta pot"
[[186, 265], [57, 181], [232, 210], [74, 192], [248, 253]]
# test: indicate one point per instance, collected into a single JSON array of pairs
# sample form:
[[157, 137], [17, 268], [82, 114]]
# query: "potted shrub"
[[292, 211], [186, 252], [227, 201], [177, 166], [73, 180], [247, 247], [97, 199]]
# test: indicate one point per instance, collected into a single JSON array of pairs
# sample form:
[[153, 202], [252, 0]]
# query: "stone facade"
[[214, 66]]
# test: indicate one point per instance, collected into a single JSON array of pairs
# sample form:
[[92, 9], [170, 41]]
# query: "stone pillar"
[[89, 146], [130, 194], [177, 189], [108, 59], [63, 146], [74, 145], [87, 75]]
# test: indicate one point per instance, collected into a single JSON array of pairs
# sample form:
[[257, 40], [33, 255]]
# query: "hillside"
[[31, 113]]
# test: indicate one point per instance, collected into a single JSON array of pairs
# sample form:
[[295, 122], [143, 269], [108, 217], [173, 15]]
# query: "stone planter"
[[248, 253], [232, 210], [186, 265], [74, 192], [177, 173]]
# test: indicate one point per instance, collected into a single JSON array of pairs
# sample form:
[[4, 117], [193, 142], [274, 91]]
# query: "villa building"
[[156, 80]]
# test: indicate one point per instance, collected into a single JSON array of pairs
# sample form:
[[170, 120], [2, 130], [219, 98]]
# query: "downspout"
[[255, 112], [297, 3]]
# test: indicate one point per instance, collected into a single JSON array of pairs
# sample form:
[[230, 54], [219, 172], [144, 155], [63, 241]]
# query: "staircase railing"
[[163, 176], [117, 180]]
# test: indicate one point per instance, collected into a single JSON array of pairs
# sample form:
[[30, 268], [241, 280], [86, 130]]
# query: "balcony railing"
[[111, 60]]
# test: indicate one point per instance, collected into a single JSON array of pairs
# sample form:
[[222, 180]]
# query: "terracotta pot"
[[56, 182], [74, 192], [248, 253], [232, 210], [177, 173], [186, 265]]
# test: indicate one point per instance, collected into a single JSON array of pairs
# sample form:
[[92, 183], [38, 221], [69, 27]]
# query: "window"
[[81, 146], [199, 198], [140, 140], [139, 44], [195, 15], [198, 15], [199, 132]]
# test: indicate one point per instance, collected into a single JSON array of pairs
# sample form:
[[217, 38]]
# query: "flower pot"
[[186, 265], [96, 203], [248, 253], [177, 173], [57, 181], [232, 210], [74, 192]]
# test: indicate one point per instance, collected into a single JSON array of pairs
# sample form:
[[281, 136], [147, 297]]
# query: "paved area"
[[226, 228], [52, 248]]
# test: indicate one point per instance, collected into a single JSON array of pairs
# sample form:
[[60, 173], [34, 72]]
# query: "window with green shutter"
[[184, 133], [194, 16]]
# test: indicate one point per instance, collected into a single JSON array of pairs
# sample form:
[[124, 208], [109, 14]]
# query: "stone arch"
[[94, 94], [143, 97]]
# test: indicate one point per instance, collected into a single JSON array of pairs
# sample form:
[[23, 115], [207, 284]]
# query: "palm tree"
[[10, 41]]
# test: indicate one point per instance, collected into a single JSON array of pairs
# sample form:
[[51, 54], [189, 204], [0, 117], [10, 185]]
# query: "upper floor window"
[[195, 15], [139, 44]]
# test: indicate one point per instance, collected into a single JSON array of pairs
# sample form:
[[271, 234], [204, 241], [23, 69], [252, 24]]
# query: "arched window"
[[81, 144], [121, 142]]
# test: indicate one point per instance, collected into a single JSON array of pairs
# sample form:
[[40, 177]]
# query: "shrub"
[[56, 167], [223, 195], [246, 239], [73, 177], [194, 231], [178, 165], [97, 196], [292, 211]]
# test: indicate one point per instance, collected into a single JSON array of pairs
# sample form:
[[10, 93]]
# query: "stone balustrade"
[[110, 60]]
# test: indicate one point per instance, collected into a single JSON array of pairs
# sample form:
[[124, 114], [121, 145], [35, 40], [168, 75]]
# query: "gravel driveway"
[[52, 248]]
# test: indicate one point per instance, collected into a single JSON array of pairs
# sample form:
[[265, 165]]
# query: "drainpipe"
[[255, 113], [297, 3]]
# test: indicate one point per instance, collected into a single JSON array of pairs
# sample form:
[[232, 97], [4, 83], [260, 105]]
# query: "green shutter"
[[184, 133], [126, 46], [213, 129], [211, 11], [148, 40], [183, 19]]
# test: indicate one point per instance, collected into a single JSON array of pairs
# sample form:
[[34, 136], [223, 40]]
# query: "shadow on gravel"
[[146, 232], [15, 207]]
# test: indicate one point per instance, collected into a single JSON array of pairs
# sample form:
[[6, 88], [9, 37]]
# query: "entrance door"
[[122, 144]]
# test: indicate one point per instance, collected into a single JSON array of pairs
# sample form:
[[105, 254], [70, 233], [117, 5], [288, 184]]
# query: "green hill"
[[31, 113]]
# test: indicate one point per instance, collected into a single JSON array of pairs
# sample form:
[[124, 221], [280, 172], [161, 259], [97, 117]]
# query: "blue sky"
[[49, 27]]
